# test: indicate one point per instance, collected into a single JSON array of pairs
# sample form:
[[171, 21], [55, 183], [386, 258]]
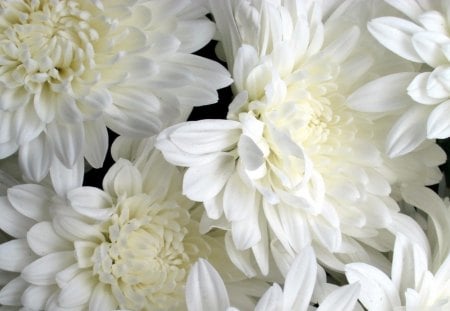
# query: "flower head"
[[293, 164], [424, 98], [129, 246], [71, 69]]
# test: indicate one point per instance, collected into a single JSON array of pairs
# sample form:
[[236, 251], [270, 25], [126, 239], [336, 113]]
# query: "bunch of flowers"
[[316, 180]]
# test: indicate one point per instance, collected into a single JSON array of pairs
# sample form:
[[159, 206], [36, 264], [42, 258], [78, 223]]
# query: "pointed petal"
[[12, 222], [43, 239], [271, 300], [36, 297], [31, 200], [202, 183], [123, 178], [241, 259], [65, 179], [96, 142], [417, 89], [429, 47], [341, 299], [91, 202], [35, 158], [43, 270], [15, 255], [238, 198], [205, 289], [368, 98], [377, 290], [67, 140], [102, 298], [11, 293], [78, 291], [438, 124], [396, 35], [300, 281], [408, 132]]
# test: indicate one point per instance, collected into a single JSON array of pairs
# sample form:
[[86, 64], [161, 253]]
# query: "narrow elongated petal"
[[429, 47], [31, 200], [11, 293], [77, 291], [96, 142], [65, 179], [369, 99], [271, 300], [67, 139], [43, 239], [396, 35], [438, 125], [91, 202], [205, 289], [35, 158], [341, 299], [204, 182], [15, 255], [377, 290], [36, 297], [12, 222], [102, 298]]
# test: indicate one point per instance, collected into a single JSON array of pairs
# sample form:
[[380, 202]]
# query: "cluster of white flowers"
[[322, 188]]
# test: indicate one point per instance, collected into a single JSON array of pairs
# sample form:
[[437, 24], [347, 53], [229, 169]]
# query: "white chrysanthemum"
[[127, 247], [412, 285], [71, 69], [206, 291], [293, 164], [423, 97]]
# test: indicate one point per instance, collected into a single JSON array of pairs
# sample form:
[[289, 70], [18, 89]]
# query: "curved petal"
[[67, 140], [35, 158], [11, 293], [96, 142], [15, 255], [438, 124], [43, 239], [341, 299], [205, 289], [102, 298], [12, 222], [31, 200]]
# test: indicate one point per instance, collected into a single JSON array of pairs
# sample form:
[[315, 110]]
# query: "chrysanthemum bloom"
[[412, 285], [423, 98], [209, 292], [127, 247], [71, 69], [293, 164]]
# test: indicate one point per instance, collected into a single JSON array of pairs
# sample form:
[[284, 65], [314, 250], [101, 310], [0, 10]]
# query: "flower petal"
[[123, 178], [428, 46], [35, 157], [12, 222], [368, 98], [36, 297], [102, 298], [417, 89], [78, 291], [202, 183], [15, 255], [271, 300], [43, 239], [43, 270], [96, 142], [91, 202], [31, 200], [438, 124], [205, 289], [396, 35], [11, 293], [67, 140], [65, 179], [341, 299]]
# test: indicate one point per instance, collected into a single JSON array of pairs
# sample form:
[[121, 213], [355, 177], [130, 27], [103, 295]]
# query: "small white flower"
[[129, 246], [412, 285], [293, 164], [71, 69], [423, 97], [205, 290]]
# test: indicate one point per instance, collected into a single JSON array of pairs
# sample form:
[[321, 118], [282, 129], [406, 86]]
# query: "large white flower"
[[129, 246], [71, 69], [205, 290], [423, 98], [412, 286], [293, 164]]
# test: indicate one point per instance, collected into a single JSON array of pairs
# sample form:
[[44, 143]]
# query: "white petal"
[[251, 155], [15, 255], [35, 158], [438, 124], [246, 59], [213, 207], [241, 259], [91, 202], [65, 179], [428, 46], [43, 270], [396, 35], [102, 298], [238, 198], [12, 222], [411, 8], [202, 183], [408, 132], [417, 89], [206, 136], [31, 200], [205, 289], [67, 140], [74, 229], [203, 29], [96, 142], [341, 299], [78, 291], [36, 297], [26, 125], [377, 290], [300, 281], [11, 293], [368, 98], [271, 300], [341, 48], [8, 148], [43, 239], [123, 178], [246, 233]]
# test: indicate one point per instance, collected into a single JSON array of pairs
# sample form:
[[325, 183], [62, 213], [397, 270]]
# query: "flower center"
[[45, 41], [147, 253]]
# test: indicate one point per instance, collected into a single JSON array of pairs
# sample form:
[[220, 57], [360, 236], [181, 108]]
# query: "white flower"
[[71, 69], [129, 246], [412, 285], [293, 164], [205, 290], [423, 97]]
